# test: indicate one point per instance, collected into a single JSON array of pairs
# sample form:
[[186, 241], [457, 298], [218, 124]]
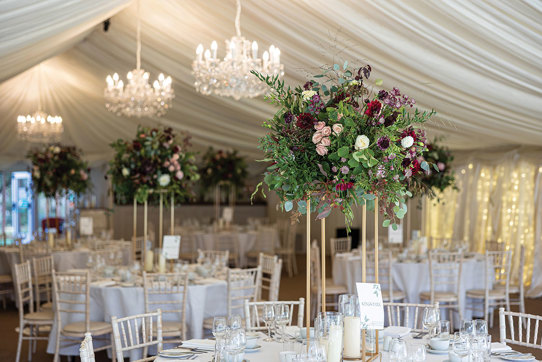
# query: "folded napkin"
[[203, 344], [499, 347], [104, 283], [396, 331]]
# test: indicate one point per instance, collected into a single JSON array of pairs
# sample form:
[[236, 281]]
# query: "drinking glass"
[[220, 326], [329, 331], [418, 353], [398, 350], [349, 308], [467, 327], [461, 345], [235, 321], [430, 320], [235, 345], [268, 318], [478, 348], [443, 329], [480, 327], [282, 317]]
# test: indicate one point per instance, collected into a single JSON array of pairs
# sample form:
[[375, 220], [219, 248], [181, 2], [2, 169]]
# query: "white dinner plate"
[[518, 358], [254, 349], [175, 353], [436, 351]]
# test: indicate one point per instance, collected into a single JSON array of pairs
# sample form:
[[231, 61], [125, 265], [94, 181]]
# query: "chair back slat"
[[254, 320], [445, 271], [508, 327], [136, 332], [271, 267], [385, 262], [399, 314], [43, 279], [242, 284], [72, 295], [23, 287]]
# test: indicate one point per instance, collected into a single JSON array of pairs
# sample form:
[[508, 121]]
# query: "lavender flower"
[[381, 172], [345, 170]]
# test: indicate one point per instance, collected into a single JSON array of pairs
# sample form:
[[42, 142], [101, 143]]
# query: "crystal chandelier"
[[39, 127], [231, 76], [138, 98]]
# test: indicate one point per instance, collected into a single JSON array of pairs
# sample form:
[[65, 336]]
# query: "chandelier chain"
[[238, 19], [138, 37]]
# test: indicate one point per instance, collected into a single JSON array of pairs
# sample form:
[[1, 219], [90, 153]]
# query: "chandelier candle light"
[[39, 127], [231, 76], [138, 98]]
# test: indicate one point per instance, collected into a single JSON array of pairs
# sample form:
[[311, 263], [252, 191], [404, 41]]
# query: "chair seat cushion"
[[397, 295], [513, 289], [480, 293], [5, 278], [47, 306], [169, 329], [96, 328], [439, 296], [40, 316]]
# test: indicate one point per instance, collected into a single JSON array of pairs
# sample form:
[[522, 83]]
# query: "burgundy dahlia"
[[406, 162], [382, 94], [383, 143], [305, 121], [288, 117], [373, 108], [390, 120]]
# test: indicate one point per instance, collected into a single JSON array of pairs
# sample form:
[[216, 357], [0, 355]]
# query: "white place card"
[[227, 214], [395, 236], [86, 226], [371, 307], [171, 246]]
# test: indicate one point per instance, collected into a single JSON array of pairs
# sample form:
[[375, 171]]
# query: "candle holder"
[[349, 308]]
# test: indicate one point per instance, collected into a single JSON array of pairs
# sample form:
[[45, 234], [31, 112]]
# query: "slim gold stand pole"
[[376, 260], [172, 227], [161, 220], [323, 225], [135, 231], [363, 268], [308, 281], [145, 224]]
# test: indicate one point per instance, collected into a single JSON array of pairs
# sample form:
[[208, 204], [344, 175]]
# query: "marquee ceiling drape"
[[476, 63]]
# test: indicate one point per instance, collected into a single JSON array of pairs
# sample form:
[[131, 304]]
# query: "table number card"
[[227, 214], [395, 236], [86, 226], [171, 246], [371, 307]]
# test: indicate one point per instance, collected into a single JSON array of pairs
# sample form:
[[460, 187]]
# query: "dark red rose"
[[136, 145], [373, 108], [305, 121], [390, 120], [415, 166], [406, 162]]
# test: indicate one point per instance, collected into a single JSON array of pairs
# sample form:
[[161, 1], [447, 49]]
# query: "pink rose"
[[175, 157], [317, 137], [321, 150], [171, 168], [177, 166], [337, 129], [326, 131], [84, 175], [179, 175], [441, 166], [325, 142], [319, 125], [339, 116], [166, 163]]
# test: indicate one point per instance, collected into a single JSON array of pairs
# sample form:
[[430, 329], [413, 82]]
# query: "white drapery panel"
[[476, 63], [32, 31], [499, 198]]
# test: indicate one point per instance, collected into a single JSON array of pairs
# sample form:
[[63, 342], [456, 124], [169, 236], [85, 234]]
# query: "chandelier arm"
[[238, 19], [39, 88], [138, 52]]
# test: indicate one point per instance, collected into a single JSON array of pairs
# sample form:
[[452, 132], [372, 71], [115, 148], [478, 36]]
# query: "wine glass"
[[235, 321], [480, 327], [461, 345], [235, 344], [220, 326], [468, 327], [430, 319], [282, 317], [444, 329], [268, 318]]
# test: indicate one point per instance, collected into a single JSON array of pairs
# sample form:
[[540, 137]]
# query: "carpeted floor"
[[290, 289]]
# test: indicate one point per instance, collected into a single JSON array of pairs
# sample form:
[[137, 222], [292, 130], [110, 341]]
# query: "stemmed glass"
[[282, 317], [220, 327], [268, 318], [235, 321], [430, 320], [461, 345], [235, 345]]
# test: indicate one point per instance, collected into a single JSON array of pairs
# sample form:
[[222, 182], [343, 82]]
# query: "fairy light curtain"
[[499, 198]]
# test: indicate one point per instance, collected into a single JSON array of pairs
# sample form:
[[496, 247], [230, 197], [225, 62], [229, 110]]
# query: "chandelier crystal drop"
[[138, 98], [40, 128], [231, 77]]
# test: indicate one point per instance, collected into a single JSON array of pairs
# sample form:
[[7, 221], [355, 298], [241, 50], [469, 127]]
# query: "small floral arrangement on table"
[[223, 167], [439, 178], [57, 169], [335, 140], [156, 160]]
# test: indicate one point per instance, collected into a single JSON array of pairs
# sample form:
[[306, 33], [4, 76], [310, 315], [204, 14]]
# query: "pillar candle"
[[51, 239], [335, 344], [161, 264], [69, 237], [149, 259], [352, 337]]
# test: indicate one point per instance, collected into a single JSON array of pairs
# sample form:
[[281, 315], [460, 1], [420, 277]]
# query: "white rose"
[[125, 172], [355, 82], [308, 94], [164, 180], [37, 174], [407, 142], [362, 142], [57, 149]]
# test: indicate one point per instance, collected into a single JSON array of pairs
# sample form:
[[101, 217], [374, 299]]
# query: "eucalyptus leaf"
[[288, 206], [386, 223]]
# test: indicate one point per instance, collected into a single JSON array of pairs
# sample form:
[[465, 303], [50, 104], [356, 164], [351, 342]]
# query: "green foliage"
[[156, 160], [57, 168], [223, 167]]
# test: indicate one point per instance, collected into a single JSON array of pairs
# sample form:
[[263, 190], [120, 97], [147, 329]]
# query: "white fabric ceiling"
[[476, 63]]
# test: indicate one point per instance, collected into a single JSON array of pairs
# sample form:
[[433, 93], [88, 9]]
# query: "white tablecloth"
[[203, 301], [410, 277]]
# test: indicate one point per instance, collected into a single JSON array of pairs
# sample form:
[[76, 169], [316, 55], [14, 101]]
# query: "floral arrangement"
[[223, 166], [156, 160], [439, 179], [336, 142], [57, 168]]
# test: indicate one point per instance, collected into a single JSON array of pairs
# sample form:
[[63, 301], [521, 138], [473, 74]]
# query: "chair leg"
[[290, 266], [295, 263], [31, 343], [20, 342], [57, 346], [113, 352]]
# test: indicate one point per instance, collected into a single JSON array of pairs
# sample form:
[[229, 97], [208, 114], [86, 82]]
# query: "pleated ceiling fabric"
[[476, 63]]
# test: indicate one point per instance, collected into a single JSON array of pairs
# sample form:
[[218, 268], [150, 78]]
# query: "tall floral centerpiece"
[[336, 141], [156, 163], [56, 170], [156, 160]]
